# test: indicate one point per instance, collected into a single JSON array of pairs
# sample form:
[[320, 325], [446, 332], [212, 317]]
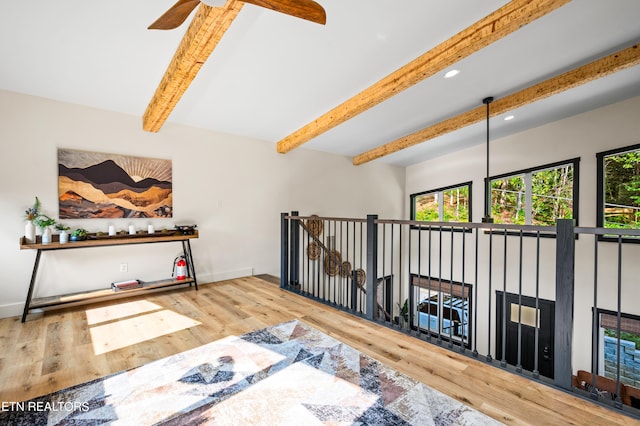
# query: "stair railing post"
[[372, 267], [284, 250], [294, 251], [353, 299], [563, 336]]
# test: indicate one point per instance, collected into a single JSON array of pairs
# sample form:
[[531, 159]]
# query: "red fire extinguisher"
[[180, 268]]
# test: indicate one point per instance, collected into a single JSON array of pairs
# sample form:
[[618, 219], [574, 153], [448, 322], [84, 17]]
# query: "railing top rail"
[[614, 232], [426, 226], [432, 225], [470, 225], [336, 219]]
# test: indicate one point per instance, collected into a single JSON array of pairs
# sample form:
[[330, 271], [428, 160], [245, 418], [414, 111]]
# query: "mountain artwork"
[[99, 185]]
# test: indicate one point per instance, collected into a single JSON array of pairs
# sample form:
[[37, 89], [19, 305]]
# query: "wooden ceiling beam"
[[607, 65], [493, 27], [205, 31]]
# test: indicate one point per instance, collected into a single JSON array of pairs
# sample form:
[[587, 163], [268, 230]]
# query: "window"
[[443, 308], [608, 346], [619, 188], [449, 204], [536, 196]]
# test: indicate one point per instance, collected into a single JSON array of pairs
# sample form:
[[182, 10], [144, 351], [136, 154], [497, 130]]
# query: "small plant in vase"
[[63, 237], [31, 215], [44, 222], [62, 227], [79, 235], [403, 319]]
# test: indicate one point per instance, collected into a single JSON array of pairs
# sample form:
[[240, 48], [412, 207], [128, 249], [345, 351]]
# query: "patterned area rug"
[[288, 374]]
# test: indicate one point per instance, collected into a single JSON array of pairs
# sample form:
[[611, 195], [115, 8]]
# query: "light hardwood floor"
[[66, 347]]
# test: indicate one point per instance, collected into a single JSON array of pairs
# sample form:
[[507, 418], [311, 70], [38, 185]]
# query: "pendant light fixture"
[[487, 184]]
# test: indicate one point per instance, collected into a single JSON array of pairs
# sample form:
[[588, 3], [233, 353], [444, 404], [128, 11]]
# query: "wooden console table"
[[104, 241]]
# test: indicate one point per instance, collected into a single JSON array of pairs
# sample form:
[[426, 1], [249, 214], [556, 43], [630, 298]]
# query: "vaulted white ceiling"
[[272, 74]]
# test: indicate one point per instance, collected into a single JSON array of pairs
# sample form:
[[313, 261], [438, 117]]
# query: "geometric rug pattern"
[[287, 374]]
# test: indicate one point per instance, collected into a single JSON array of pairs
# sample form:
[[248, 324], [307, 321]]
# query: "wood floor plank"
[[58, 349]]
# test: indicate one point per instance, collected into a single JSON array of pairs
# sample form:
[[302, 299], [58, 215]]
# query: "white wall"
[[233, 188], [580, 136]]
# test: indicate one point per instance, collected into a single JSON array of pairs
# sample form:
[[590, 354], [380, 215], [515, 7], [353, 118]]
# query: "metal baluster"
[[316, 269], [341, 280], [429, 281], [384, 279], [410, 298], [413, 289], [465, 323], [440, 304], [324, 258], [361, 266], [536, 373], [451, 323], [294, 274], [488, 357], [393, 278], [354, 294], [336, 269], [347, 275], [475, 299], [519, 363], [311, 271], [503, 361], [618, 402]]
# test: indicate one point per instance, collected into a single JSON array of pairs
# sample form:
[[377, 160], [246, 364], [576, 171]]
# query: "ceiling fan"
[[304, 9], [208, 26]]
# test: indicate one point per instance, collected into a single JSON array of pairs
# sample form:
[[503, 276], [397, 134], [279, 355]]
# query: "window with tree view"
[[537, 196], [450, 204], [619, 188]]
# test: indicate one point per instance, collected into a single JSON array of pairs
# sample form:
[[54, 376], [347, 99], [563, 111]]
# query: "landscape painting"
[[99, 185]]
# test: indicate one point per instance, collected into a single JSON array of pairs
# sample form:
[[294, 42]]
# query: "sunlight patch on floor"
[[137, 329], [120, 310]]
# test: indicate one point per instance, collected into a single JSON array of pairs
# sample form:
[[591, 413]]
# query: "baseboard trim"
[[226, 275], [11, 310]]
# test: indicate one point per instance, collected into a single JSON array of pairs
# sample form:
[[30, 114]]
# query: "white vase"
[[30, 232], [46, 236], [63, 237]]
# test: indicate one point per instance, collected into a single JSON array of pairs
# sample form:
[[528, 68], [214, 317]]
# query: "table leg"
[[191, 270], [27, 303]]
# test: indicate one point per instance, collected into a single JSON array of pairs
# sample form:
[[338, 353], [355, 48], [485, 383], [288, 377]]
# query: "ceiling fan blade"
[[305, 9], [175, 16]]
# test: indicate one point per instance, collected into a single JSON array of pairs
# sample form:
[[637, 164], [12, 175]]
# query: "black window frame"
[[600, 156], [413, 197], [443, 288], [575, 190]]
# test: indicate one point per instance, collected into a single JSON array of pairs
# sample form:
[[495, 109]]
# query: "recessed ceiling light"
[[451, 73], [214, 3], [509, 117]]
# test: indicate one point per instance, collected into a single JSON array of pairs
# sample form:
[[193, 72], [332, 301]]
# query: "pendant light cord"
[[487, 204]]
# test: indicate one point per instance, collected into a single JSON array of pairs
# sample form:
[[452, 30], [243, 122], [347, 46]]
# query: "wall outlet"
[[124, 267]]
